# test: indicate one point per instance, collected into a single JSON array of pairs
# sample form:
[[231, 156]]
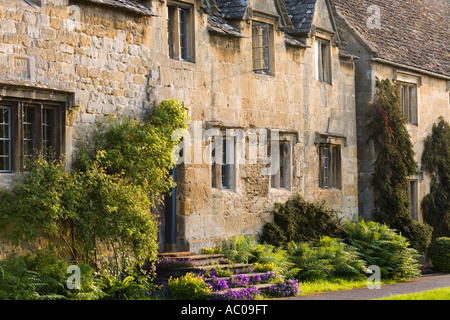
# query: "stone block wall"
[[112, 62]]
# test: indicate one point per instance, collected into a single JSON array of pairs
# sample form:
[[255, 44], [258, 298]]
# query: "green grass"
[[435, 294], [335, 285]]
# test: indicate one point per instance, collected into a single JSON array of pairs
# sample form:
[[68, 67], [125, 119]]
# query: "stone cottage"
[[252, 72], [407, 43], [269, 89]]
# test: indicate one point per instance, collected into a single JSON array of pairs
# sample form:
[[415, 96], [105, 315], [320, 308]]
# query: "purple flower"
[[285, 288]]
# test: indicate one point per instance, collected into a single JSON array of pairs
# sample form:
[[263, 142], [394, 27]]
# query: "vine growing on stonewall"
[[436, 162], [107, 196], [393, 165]]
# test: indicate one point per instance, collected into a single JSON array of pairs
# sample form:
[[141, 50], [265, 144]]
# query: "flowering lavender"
[[247, 293], [240, 280], [285, 288]]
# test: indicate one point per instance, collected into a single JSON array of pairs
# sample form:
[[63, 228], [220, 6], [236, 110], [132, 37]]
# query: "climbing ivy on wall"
[[393, 165], [107, 196], [436, 162]]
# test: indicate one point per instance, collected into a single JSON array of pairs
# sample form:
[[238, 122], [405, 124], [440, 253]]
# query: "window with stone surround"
[[262, 50], [323, 60], [223, 163], [29, 128], [281, 177], [412, 193], [329, 166], [180, 31], [408, 97]]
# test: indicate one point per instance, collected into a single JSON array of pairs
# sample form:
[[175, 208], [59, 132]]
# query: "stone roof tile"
[[128, 5], [415, 33]]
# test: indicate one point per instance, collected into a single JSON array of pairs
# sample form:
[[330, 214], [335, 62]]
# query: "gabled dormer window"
[[323, 60], [262, 50], [180, 31], [408, 97]]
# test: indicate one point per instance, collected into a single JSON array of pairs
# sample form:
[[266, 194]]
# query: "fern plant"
[[243, 249], [379, 245], [19, 282], [330, 258]]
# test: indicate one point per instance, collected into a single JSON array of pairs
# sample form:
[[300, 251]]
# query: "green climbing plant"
[[436, 162], [393, 165], [107, 196]]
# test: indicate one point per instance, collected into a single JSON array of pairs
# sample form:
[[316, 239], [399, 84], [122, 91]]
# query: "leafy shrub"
[[330, 258], [436, 204], [129, 288], [298, 220], [393, 165], [214, 250], [107, 197], [379, 245], [188, 287], [440, 254], [247, 250], [43, 276]]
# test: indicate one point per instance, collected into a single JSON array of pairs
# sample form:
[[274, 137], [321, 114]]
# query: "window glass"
[[5, 139], [261, 47]]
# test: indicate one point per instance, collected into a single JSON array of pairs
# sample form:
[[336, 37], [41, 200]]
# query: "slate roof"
[[219, 25], [232, 9], [301, 13], [415, 33], [127, 5]]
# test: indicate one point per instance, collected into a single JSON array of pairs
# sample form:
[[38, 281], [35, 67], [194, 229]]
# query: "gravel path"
[[427, 282]]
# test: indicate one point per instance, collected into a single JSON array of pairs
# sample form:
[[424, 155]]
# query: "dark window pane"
[[5, 140], [47, 133], [28, 123]]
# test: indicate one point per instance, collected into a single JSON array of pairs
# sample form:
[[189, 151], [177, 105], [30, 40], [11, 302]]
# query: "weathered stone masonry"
[[113, 58]]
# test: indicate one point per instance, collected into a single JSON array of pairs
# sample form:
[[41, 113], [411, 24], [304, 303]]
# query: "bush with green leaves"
[[440, 254], [435, 162], [393, 166], [379, 245], [330, 258], [43, 276], [243, 249], [298, 220], [107, 197], [188, 287]]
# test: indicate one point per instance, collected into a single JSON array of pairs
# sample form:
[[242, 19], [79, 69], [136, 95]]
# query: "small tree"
[[393, 165], [107, 197], [436, 162]]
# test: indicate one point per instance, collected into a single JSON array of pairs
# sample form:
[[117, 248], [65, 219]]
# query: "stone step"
[[238, 267], [175, 254], [203, 259], [249, 274], [261, 287]]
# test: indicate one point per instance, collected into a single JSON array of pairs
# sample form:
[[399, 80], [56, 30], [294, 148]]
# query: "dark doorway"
[[170, 231]]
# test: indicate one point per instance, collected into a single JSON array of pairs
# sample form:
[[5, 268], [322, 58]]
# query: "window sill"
[[217, 190], [279, 190], [329, 190], [182, 60], [324, 82], [263, 73]]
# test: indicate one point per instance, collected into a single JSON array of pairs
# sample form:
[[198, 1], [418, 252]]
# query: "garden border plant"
[[106, 197], [393, 165], [435, 162]]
